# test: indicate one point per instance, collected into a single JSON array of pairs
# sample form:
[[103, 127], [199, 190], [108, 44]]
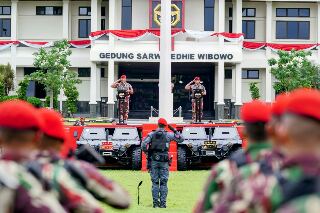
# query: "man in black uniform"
[[156, 144]]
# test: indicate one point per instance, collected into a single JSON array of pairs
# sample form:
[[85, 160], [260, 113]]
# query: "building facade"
[[226, 63]]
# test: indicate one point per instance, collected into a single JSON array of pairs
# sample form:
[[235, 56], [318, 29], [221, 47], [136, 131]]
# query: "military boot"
[[156, 204], [163, 204]]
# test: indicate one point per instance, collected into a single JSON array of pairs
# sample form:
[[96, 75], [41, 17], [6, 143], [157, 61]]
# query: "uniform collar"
[[308, 163]]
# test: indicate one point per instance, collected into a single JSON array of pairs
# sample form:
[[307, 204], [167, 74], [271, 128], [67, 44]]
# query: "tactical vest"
[[159, 141]]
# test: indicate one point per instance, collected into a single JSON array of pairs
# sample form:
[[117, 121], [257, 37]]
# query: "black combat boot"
[[163, 204], [156, 204]]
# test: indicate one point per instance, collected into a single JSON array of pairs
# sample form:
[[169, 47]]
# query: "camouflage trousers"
[[194, 110], [159, 173], [124, 109]]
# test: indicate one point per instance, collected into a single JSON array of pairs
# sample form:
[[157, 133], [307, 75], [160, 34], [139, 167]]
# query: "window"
[[250, 74], [230, 26], [230, 12], [248, 12], [208, 15], [249, 29], [293, 12], [49, 11], [84, 28], [5, 27], [103, 24], [293, 30], [84, 11], [126, 16], [84, 72], [228, 74], [5, 10], [103, 72], [103, 11]]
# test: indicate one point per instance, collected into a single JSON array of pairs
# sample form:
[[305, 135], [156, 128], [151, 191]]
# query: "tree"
[[53, 69], [7, 78], [294, 70], [254, 90], [71, 92]]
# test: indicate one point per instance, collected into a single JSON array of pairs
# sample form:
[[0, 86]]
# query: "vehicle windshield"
[[125, 134], [225, 133], [93, 134], [194, 133]]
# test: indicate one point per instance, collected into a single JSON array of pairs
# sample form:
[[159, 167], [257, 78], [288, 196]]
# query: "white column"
[[216, 67], [111, 73], [221, 12], [98, 84], [65, 19], [268, 50], [95, 15], [216, 15], [233, 84], [14, 37], [165, 103], [318, 27], [93, 82], [238, 82], [220, 82], [110, 81], [237, 16]]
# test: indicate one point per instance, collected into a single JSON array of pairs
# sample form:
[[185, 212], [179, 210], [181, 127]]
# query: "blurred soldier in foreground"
[[197, 92], [123, 86], [19, 133], [255, 115], [87, 175], [295, 187], [156, 145]]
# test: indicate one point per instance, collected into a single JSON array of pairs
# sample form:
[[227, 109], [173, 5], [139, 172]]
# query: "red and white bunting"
[[129, 35], [252, 46], [156, 32], [232, 37], [80, 43], [289, 47], [199, 34], [7, 44], [37, 44]]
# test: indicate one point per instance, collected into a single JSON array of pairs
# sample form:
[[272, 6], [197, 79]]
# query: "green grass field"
[[184, 189]]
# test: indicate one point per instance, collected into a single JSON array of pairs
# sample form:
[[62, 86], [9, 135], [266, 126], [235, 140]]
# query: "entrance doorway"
[[144, 78]]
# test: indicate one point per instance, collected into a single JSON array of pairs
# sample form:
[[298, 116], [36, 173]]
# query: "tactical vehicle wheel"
[[136, 158], [182, 159]]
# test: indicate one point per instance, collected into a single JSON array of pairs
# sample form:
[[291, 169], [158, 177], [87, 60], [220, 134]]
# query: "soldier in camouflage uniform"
[[19, 190], [88, 176], [195, 84], [157, 145], [295, 187], [120, 85], [21, 146], [255, 116]]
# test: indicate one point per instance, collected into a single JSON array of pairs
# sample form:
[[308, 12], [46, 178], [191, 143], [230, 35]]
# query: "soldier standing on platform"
[[86, 174], [194, 86], [123, 85], [157, 145]]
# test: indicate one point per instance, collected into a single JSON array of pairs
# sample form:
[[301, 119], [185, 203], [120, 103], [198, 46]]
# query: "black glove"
[[172, 129]]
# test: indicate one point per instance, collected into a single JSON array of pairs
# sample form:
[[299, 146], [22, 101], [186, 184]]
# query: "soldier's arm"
[[31, 196], [115, 84], [176, 136], [130, 89], [103, 188], [204, 91], [188, 86], [146, 142], [75, 197]]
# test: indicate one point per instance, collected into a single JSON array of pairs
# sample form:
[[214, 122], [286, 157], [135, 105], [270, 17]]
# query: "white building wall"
[[140, 14], [194, 14], [35, 27], [75, 17]]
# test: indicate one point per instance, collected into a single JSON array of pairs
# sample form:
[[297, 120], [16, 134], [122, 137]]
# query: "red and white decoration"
[[134, 35]]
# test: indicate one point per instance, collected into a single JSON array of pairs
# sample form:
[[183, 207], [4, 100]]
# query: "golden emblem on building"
[[175, 15]]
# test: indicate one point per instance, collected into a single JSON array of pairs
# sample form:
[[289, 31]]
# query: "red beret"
[[255, 111], [162, 121], [305, 102], [53, 125], [18, 114], [123, 76], [280, 105], [197, 78]]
